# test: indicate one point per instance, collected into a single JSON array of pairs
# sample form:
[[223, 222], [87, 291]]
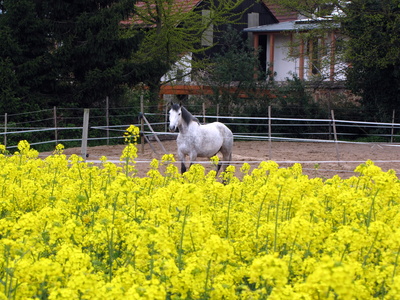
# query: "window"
[[317, 51], [207, 38]]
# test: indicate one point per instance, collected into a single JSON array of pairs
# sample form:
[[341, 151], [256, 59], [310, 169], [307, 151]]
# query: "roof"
[[179, 6], [297, 25], [280, 13]]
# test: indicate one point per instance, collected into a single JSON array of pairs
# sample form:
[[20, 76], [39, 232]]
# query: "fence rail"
[[60, 126]]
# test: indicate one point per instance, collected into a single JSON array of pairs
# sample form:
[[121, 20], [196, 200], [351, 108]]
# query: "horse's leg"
[[183, 167], [226, 158], [181, 157], [192, 158]]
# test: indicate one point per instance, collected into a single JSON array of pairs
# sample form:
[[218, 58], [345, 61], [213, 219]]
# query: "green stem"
[[347, 247], [258, 221], [291, 253], [54, 182], [276, 219], [228, 215], [111, 239], [396, 263], [180, 249], [370, 249], [205, 296], [80, 176], [151, 267], [371, 209], [127, 166]]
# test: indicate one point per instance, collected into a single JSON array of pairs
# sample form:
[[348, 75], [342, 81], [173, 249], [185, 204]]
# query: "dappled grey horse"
[[196, 140]]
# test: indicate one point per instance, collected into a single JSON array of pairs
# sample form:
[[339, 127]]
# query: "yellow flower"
[[59, 149], [131, 134], [215, 160], [74, 230], [268, 270], [168, 158], [3, 149]]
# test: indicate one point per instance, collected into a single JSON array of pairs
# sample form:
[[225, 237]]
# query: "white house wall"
[[181, 67], [285, 66]]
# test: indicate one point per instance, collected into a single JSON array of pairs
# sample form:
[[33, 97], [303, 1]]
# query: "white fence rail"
[[268, 127]]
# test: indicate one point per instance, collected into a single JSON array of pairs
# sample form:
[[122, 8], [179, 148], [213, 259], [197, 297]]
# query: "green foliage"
[[235, 72], [372, 39], [90, 54], [293, 99], [77, 52], [379, 89], [26, 72], [374, 32], [175, 29], [236, 63], [8, 84], [62, 52]]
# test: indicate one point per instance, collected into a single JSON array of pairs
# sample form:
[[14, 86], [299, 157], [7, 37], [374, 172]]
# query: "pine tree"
[[89, 49], [25, 66], [63, 52]]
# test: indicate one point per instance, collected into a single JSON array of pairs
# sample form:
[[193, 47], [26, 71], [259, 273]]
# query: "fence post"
[[55, 124], [5, 130], [154, 133], [107, 120], [392, 132], [166, 117], [335, 135], [204, 113], [269, 133], [85, 131], [142, 123], [217, 112]]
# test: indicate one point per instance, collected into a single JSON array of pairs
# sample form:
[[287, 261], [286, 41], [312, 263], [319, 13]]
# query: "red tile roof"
[[280, 13], [179, 6]]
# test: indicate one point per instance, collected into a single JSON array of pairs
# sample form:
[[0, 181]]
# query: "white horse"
[[197, 140]]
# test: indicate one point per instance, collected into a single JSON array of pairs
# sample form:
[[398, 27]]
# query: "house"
[[277, 33], [287, 49], [249, 13]]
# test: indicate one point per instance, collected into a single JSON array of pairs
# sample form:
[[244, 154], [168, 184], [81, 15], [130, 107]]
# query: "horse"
[[196, 140]]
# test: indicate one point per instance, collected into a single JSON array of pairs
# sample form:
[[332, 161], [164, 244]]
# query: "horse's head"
[[175, 116]]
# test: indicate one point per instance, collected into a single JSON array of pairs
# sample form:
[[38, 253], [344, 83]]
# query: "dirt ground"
[[318, 159]]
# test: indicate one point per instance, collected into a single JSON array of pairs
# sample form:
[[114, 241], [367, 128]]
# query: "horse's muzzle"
[[172, 128]]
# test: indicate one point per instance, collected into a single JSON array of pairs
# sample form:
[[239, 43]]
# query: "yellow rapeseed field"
[[73, 230]]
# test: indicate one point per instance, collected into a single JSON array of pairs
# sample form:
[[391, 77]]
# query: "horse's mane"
[[186, 115]]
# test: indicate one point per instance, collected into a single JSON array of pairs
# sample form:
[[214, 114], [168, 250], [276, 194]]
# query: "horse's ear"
[[180, 104]]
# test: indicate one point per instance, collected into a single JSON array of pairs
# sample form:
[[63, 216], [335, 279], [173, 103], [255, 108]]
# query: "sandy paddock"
[[318, 159]]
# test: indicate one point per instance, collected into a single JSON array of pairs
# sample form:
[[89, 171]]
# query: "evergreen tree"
[[235, 72], [371, 47], [26, 76], [373, 28], [89, 49], [173, 29], [63, 52]]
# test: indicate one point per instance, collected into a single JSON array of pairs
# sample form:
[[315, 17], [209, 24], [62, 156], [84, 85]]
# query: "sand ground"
[[318, 159]]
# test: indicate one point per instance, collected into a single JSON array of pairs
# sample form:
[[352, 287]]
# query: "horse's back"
[[207, 139], [218, 127], [226, 133], [227, 140]]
